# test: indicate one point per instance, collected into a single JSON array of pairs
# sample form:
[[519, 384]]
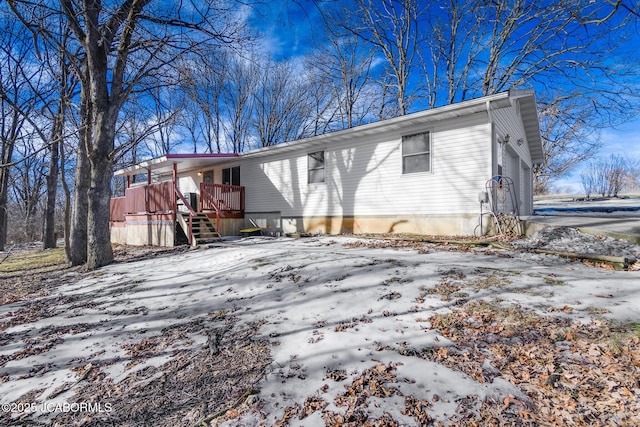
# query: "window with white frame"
[[315, 167], [231, 176], [416, 153]]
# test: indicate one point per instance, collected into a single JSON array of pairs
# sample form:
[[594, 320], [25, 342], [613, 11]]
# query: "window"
[[207, 177], [231, 176], [416, 153], [315, 167]]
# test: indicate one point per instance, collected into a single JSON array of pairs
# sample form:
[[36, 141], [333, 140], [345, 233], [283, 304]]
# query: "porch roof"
[[164, 165]]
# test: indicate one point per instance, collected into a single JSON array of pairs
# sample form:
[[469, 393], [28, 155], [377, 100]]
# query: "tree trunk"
[[49, 238], [78, 236], [67, 202], [4, 180], [79, 213], [7, 153], [100, 251], [99, 235]]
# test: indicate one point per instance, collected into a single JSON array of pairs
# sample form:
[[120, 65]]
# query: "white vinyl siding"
[[515, 158], [509, 123], [189, 183], [364, 176]]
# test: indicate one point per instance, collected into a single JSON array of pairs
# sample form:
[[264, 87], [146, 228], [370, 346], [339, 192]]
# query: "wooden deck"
[[217, 201]]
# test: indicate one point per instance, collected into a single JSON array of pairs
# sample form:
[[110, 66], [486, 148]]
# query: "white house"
[[421, 173]]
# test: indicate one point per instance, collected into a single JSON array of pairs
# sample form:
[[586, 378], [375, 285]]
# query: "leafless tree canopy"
[[609, 177], [442, 52]]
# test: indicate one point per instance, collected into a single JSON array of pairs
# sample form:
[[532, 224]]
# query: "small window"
[[231, 176], [315, 167], [207, 177], [416, 153]]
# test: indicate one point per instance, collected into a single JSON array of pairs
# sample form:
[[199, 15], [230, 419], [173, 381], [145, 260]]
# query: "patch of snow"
[[326, 307], [567, 239]]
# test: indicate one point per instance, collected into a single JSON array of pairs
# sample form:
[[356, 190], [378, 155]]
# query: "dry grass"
[[31, 272], [34, 259]]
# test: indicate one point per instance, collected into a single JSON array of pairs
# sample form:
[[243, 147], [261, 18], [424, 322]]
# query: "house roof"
[[525, 98], [164, 165], [528, 111]]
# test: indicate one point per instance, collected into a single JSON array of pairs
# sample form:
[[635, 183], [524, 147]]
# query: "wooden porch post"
[[146, 191], [174, 180], [174, 200], [176, 194]]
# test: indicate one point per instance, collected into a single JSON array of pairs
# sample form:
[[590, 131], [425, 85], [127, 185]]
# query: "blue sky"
[[624, 140], [288, 27]]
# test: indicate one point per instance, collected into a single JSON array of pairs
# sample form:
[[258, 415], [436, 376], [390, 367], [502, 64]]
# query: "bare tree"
[[481, 48], [203, 81], [238, 100], [19, 97], [606, 177], [470, 48], [123, 45], [632, 181], [567, 138], [391, 27], [28, 184], [588, 181], [616, 174], [163, 120], [344, 66], [323, 113], [450, 54], [66, 83], [280, 105]]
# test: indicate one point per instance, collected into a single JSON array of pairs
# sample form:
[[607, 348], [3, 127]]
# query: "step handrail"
[[192, 213]]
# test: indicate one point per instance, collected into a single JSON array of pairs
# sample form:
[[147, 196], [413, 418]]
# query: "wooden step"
[[203, 229]]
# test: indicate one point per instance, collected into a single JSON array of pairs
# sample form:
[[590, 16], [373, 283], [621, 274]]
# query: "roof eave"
[[531, 123], [449, 111], [168, 160]]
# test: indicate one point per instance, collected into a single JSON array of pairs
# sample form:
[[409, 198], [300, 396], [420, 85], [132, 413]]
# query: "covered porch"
[[159, 213]]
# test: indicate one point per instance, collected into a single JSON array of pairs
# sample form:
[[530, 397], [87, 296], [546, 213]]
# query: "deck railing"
[[151, 198], [221, 197], [116, 209], [161, 197]]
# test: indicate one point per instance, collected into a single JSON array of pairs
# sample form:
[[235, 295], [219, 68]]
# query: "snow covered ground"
[[327, 304]]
